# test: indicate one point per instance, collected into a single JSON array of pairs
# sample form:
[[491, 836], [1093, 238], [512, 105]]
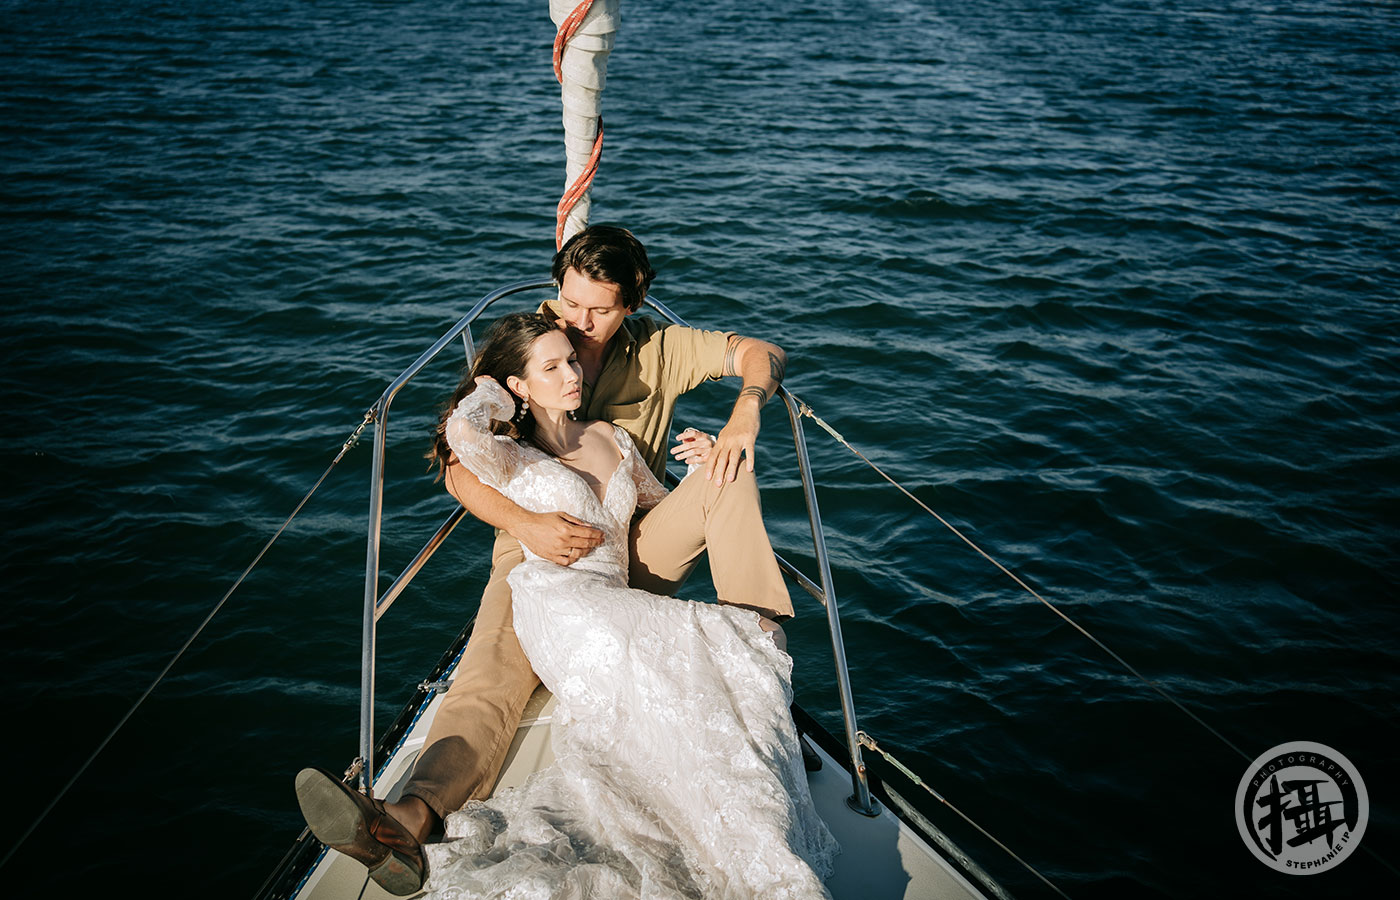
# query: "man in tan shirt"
[[634, 369]]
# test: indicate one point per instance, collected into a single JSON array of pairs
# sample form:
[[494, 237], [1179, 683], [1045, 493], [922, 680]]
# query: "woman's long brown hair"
[[505, 352]]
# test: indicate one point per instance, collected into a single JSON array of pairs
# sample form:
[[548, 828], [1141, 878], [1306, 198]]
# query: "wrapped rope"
[[581, 48]]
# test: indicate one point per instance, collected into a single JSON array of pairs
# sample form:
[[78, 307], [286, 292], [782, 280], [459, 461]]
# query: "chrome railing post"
[[416, 564], [376, 512], [860, 799], [367, 632]]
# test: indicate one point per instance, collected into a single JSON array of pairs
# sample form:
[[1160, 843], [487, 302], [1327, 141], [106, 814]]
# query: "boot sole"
[[338, 822]]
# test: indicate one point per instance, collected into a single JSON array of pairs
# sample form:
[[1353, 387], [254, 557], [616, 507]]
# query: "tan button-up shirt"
[[647, 366]]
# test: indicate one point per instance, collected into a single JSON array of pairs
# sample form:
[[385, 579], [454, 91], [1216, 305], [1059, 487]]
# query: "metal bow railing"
[[376, 605]]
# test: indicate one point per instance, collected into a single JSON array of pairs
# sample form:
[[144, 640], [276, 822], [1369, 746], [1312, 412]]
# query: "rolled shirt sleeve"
[[692, 357]]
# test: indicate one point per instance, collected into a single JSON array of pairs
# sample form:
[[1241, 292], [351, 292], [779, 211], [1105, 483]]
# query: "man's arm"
[[557, 537], [761, 365]]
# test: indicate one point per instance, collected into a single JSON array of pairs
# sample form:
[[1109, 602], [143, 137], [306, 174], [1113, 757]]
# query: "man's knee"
[[742, 491], [494, 659]]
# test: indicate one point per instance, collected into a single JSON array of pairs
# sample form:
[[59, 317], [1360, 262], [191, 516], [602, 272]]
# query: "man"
[[633, 371]]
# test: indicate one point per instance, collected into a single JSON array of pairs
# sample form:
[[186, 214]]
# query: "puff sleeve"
[[495, 459]]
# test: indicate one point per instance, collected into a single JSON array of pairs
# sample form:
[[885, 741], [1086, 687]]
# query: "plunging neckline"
[[607, 482]]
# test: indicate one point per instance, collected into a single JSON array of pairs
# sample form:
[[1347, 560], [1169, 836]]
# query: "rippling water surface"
[[1111, 286]]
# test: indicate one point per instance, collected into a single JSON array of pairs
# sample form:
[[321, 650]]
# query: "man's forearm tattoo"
[[777, 368], [730, 353], [758, 392]]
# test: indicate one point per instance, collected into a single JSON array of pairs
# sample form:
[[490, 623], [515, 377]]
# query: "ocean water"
[[1110, 286]]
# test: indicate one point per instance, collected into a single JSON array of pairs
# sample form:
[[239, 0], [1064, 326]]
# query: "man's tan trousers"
[[472, 731]]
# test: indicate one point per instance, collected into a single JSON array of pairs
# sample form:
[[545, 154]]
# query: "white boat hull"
[[882, 857]]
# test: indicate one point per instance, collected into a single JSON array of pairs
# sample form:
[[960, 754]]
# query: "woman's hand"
[[693, 447]]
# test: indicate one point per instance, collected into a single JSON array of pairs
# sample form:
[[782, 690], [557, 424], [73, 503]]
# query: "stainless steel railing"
[[376, 605]]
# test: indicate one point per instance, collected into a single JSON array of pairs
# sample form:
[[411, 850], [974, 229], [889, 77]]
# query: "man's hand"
[[556, 536], [762, 366], [736, 439]]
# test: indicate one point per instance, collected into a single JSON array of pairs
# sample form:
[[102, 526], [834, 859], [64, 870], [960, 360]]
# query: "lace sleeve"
[[649, 491], [492, 458]]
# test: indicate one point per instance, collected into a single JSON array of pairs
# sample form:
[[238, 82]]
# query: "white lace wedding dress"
[[677, 770]]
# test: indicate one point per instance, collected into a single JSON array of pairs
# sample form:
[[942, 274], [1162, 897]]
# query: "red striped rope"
[[584, 181]]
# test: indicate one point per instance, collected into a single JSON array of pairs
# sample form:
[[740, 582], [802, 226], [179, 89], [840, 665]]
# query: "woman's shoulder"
[[615, 433], [597, 426]]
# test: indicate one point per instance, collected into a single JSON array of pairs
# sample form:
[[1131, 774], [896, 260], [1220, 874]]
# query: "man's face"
[[592, 310]]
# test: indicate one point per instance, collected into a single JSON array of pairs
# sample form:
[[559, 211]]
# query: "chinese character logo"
[[1301, 807]]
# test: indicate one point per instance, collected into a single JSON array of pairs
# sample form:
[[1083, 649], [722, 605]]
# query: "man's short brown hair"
[[611, 254]]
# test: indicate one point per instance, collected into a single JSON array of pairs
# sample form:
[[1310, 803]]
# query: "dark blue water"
[[1111, 286]]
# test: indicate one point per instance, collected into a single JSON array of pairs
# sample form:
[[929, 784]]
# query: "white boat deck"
[[881, 857]]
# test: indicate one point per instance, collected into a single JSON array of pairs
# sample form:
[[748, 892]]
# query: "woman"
[[677, 769]]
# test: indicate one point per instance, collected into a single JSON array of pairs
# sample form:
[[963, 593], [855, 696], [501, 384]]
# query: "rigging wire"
[[868, 741], [806, 410], [864, 738], [350, 442]]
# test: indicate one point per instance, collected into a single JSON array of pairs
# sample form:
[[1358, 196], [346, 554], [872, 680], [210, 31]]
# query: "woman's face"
[[553, 378]]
